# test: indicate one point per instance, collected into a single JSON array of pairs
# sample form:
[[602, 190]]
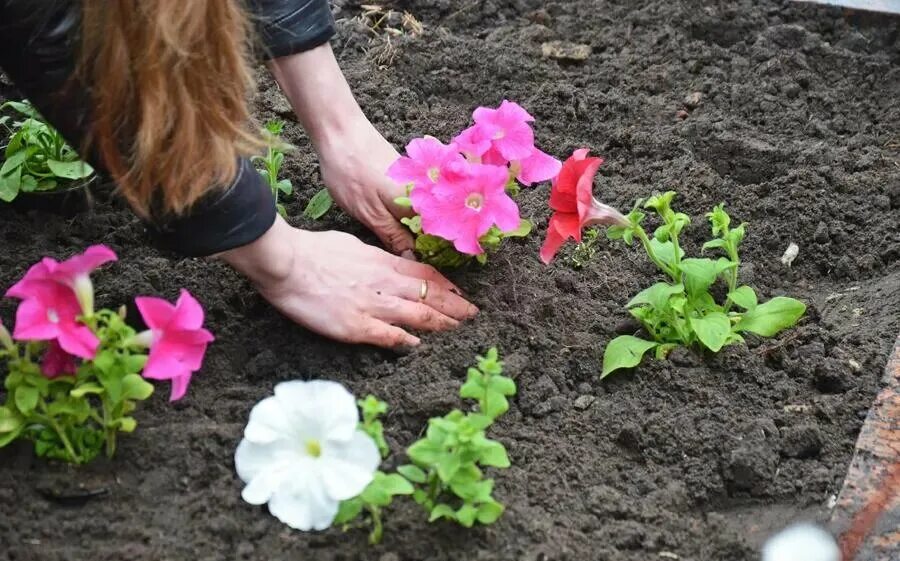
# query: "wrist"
[[268, 260]]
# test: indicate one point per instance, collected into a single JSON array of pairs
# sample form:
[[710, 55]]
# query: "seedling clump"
[[683, 311]]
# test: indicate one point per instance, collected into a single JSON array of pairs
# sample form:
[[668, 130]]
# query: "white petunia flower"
[[303, 453], [802, 542]]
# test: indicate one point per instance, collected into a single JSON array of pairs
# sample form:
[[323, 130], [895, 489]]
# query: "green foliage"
[[445, 475], [71, 418], [683, 311], [447, 463], [584, 252], [442, 254], [318, 205], [36, 157], [271, 163]]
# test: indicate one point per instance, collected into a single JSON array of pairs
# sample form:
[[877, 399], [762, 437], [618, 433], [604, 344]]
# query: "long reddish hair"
[[170, 82]]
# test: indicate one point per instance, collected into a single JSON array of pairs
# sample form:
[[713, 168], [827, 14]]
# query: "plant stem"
[[110, 432], [377, 527], [645, 241]]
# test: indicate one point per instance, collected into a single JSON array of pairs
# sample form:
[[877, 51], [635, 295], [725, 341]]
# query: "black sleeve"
[[286, 27], [38, 41]]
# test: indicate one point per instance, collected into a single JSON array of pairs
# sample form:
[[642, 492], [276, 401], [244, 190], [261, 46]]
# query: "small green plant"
[[445, 475], [318, 205], [447, 463], [584, 252], [36, 157], [682, 311], [272, 161], [380, 493]]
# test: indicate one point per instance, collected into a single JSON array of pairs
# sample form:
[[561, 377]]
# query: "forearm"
[[267, 260], [319, 94]]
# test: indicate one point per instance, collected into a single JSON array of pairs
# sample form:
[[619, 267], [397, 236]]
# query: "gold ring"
[[423, 291]]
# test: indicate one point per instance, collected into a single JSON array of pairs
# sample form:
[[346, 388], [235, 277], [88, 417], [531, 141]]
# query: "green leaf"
[[70, 170], [9, 188], [665, 251], [318, 205], [404, 202], [442, 511], [126, 424], [625, 351], [447, 466], [522, 231], [769, 318], [743, 296], [413, 473], [488, 513], [348, 510], [656, 296], [135, 387], [493, 454], [698, 274], [466, 515], [717, 243], [10, 421], [395, 484], [285, 186], [425, 453], [719, 219], [26, 399], [15, 161], [712, 330]]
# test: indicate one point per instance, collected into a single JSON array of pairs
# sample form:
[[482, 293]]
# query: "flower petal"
[[311, 509], [538, 167], [157, 313], [268, 422], [323, 407], [349, 466], [188, 313], [78, 340], [264, 468], [32, 323]]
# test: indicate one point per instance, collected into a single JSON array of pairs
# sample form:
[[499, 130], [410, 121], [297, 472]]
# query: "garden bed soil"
[[788, 112]]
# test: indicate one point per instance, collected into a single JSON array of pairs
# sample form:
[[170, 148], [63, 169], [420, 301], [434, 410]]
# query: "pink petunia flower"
[[538, 166], [74, 273], [57, 362], [508, 128], [463, 209], [426, 162], [176, 338], [50, 312], [475, 141], [572, 199]]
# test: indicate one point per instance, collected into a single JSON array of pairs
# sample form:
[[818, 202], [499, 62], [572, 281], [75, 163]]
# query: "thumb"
[[396, 237]]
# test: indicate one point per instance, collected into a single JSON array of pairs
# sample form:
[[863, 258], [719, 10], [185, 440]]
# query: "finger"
[[395, 236], [422, 271], [415, 315], [440, 298], [377, 332]]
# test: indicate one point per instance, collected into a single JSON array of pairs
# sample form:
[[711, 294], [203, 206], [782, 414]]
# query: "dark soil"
[[790, 113]]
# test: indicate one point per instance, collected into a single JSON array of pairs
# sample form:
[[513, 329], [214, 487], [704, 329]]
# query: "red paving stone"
[[867, 514]]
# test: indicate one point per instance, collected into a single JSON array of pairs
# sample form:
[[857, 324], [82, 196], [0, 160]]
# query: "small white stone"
[[790, 254], [802, 542]]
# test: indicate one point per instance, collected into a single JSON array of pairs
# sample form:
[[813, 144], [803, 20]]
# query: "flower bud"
[[6, 339], [84, 291]]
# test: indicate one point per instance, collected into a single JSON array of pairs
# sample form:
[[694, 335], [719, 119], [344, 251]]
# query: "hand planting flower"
[[176, 338], [303, 453], [574, 205], [89, 378], [463, 205], [464, 208]]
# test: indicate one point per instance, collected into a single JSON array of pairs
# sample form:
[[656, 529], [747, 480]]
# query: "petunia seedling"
[[448, 463], [270, 164], [36, 157], [76, 374], [462, 193], [683, 311]]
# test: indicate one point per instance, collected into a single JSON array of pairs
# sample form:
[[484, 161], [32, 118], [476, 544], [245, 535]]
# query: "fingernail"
[[408, 254]]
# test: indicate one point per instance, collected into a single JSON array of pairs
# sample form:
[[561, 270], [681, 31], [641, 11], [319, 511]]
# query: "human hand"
[[353, 155], [353, 169], [335, 285]]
